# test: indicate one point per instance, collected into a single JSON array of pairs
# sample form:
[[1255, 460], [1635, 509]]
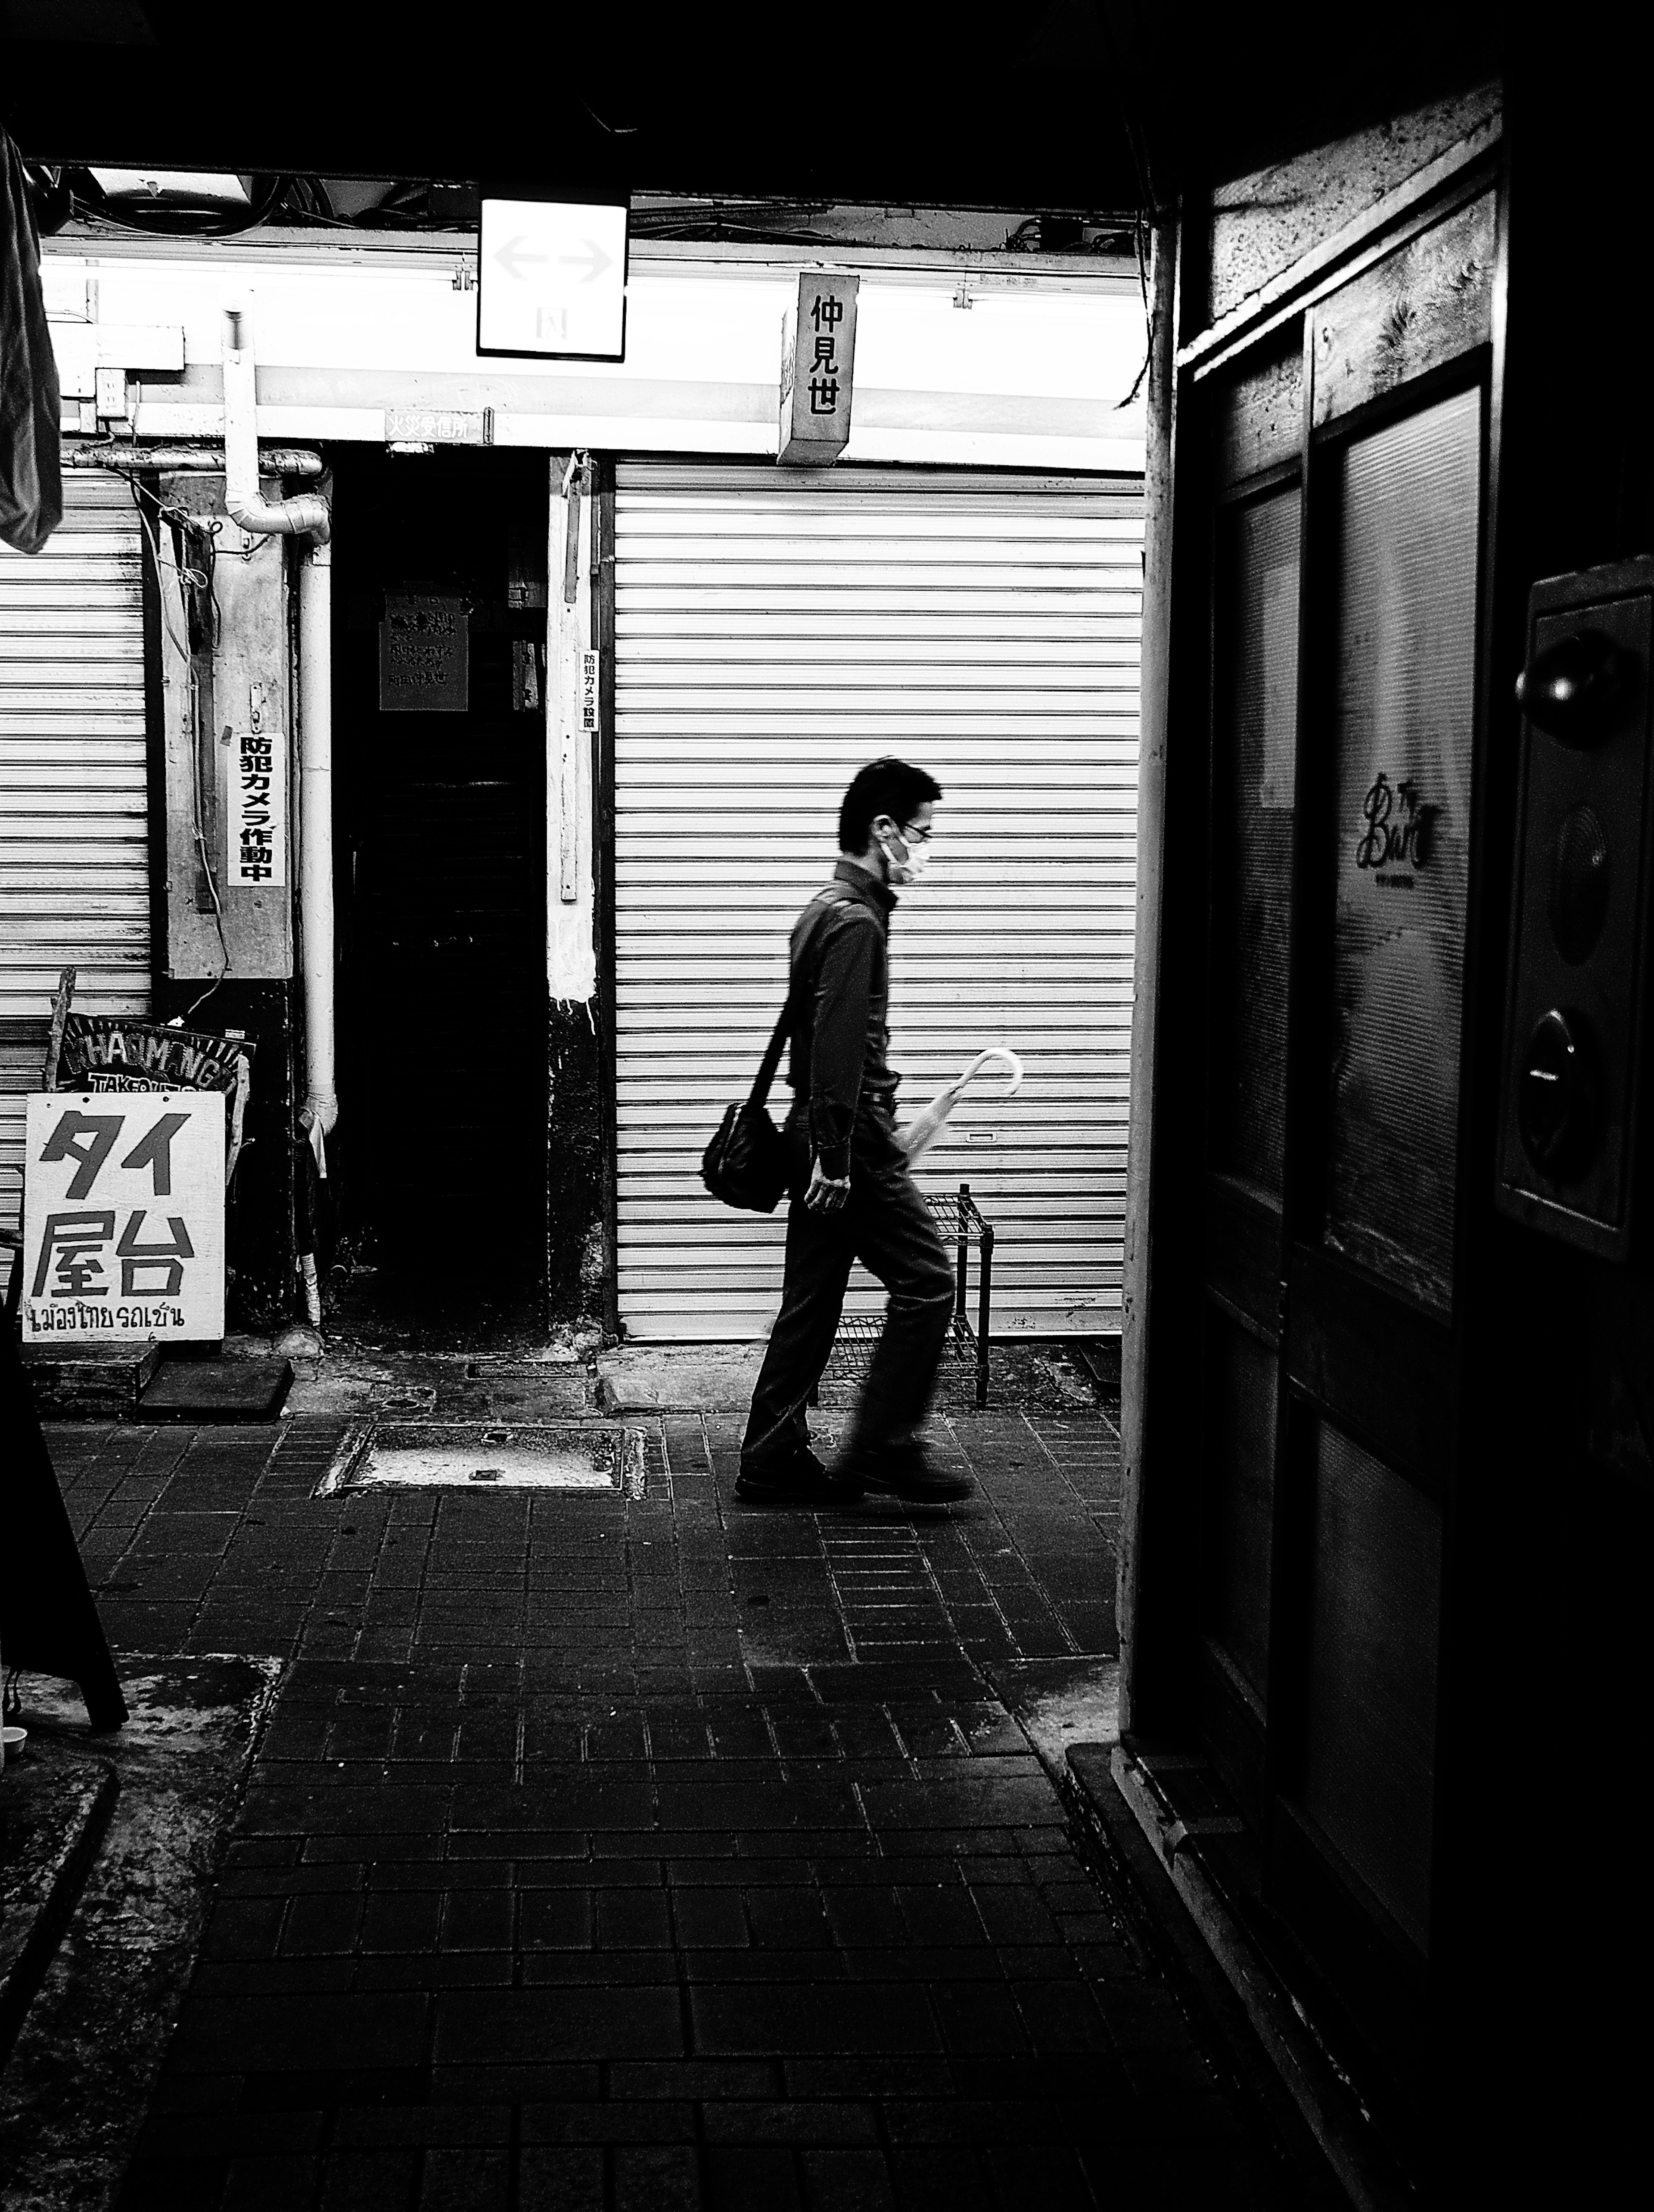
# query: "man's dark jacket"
[[840, 971]]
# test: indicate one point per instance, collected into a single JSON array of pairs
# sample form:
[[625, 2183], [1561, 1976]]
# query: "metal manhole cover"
[[500, 1455]]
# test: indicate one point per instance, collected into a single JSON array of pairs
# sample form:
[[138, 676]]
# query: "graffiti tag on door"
[[1400, 826]]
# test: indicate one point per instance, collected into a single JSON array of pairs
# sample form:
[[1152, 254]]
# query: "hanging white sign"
[[124, 1216], [257, 817], [588, 691], [551, 279]]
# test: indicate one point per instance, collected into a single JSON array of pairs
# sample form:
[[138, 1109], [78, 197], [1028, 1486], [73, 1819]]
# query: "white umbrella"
[[923, 1129]]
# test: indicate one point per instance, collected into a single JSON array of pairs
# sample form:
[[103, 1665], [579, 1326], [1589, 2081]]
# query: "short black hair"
[[889, 787]]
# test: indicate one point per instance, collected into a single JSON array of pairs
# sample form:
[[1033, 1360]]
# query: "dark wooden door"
[[443, 1016], [1348, 460]]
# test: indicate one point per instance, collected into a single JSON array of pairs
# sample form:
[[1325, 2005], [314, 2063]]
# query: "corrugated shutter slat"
[[772, 636], [74, 818]]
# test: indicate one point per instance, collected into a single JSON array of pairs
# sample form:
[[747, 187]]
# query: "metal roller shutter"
[[773, 635], [74, 813]]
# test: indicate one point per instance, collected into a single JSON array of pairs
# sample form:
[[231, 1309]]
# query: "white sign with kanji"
[[818, 369], [258, 813], [124, 1216]]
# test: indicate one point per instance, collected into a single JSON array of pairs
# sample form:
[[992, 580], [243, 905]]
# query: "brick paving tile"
[[559, 2181], [616, 1855]]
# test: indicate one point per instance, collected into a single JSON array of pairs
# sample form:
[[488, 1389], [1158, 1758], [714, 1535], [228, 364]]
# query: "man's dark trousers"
[[886, 1225]]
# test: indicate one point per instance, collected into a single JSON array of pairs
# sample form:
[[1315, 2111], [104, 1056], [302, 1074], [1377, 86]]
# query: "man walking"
[[853, 1197]]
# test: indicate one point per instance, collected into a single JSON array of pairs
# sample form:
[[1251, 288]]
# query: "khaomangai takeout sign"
[[124, 1216]]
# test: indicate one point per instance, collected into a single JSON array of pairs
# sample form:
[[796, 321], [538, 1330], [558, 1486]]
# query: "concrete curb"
[[56, 1810], [1327, 2103], [674, 1380]]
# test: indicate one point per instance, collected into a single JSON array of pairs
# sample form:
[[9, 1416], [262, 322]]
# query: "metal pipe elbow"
[[305, 515]]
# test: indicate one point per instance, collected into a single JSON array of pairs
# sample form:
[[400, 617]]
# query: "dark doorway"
[[439, 764]]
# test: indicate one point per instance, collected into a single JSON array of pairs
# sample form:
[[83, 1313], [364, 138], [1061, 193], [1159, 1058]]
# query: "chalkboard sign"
[[118, 1052], [424, 655]]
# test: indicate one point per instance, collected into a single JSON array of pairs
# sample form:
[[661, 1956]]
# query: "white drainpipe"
[[321, 1106], [306, 515]]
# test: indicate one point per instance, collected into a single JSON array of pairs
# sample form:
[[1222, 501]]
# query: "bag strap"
[[772, 1051]]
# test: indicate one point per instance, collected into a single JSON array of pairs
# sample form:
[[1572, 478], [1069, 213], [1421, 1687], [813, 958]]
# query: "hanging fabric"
[[31, 481]]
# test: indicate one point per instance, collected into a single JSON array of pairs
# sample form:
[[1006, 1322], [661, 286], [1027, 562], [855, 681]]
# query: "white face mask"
[[915, 864]]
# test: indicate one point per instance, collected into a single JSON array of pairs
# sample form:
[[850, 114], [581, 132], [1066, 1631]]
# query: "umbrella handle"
[[1014, 1068]]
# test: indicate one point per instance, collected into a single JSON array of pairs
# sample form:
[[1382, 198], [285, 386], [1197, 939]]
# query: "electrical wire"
[[206, 864], [54, 202], [1149, 210], [64, 193], [180, 645], [313, 198], [1137, 231], [314, 204], [175, 223], [614, 130], [712, 228]]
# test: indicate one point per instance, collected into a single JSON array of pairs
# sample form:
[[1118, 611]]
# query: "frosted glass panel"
[[1238, 1497], [1370, 1724], [1256, 749], [1406, 690]]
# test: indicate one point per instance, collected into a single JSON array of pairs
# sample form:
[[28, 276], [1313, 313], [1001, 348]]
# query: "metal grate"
[[509, 1456], [960, 1223]]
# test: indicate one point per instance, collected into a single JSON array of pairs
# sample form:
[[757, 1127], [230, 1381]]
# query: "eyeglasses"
[[911, 834]]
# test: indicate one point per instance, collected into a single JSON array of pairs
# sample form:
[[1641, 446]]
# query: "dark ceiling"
[[963, 105]]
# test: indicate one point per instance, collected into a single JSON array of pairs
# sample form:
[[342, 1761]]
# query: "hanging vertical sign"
[[818, 370], [257, 817], [124, 1216]]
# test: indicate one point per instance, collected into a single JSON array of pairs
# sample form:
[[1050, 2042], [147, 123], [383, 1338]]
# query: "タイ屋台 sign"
[[818, 370], [551, 279], [124, 1216]]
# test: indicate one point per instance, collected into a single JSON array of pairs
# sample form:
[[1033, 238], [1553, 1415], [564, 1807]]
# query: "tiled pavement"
[[610, 1854]]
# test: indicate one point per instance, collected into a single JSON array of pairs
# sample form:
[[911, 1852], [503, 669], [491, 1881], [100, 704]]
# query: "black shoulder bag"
[[746, 1164]]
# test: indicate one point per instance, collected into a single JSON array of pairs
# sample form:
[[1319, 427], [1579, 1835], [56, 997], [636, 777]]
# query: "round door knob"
[[1557, 1100], [1578, 687]]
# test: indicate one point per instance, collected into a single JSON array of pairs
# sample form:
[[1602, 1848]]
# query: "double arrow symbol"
[[514, 261]]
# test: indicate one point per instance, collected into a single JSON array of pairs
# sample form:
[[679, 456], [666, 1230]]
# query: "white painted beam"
[[82, 349]]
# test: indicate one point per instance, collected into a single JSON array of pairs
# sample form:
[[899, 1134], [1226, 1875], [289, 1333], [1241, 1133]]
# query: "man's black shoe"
[[905, 1471], [799, 1479]]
